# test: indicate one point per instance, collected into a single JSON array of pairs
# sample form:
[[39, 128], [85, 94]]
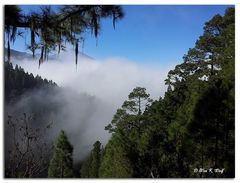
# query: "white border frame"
[[157, 2]]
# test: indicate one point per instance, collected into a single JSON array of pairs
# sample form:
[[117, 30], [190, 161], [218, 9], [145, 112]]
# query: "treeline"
[[17, 82]]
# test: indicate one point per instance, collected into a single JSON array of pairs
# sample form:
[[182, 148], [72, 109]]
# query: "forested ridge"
[[17, 82], [187, 133]]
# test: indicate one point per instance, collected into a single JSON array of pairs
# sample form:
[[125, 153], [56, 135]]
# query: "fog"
[[89, 95], [81, 116]]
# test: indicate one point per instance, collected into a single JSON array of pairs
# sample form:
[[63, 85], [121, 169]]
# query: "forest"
[[187, 133]]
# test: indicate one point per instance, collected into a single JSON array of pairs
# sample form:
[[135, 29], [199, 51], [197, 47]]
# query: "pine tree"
[[115, 163], [91, 165], [61, 164], [127, 126], [95, 159]]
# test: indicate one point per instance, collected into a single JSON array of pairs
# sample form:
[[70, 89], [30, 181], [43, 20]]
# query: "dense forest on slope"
[[190, 132], [18, 82]]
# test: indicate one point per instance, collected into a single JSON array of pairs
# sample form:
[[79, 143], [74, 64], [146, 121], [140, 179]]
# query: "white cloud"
[[109, 81]]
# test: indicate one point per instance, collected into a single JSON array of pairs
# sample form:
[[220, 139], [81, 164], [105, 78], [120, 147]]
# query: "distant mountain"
[[17, 54], [24, 55], [86, 56]]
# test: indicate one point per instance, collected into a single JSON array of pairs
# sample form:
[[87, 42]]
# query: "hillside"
[[18, 55], [17, 82]]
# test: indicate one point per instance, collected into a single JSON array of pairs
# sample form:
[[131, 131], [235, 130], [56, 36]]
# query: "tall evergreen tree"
[[115, 163], [61, 164], [95, 159], [127, 127], [90, 167]]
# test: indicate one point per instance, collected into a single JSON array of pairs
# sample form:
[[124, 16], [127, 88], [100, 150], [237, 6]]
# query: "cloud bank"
[[110, 79], [90, 95]]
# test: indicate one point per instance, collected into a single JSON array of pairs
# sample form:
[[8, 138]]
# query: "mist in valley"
[[87, 97]]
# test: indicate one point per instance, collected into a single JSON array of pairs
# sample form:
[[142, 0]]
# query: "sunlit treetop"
[[51, 30]]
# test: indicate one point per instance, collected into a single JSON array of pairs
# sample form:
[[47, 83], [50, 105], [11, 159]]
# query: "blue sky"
[[159, 34]]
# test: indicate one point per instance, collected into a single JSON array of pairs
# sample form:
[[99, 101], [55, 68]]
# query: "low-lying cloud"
[[91, 93]]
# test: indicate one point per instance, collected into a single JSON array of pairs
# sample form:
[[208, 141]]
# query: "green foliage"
[[91, 165], [130, 115], [115, 163], [203, 93], [127, 126], [61, 164], [192, 127]]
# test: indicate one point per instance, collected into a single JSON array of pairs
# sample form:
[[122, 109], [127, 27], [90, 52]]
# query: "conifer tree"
[[95, 159], [115, 163], [91, 165], [61, 164]]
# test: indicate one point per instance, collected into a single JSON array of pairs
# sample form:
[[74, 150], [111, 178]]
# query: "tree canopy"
[[55, 29], [191, 129], [61, 164], [90, 167]]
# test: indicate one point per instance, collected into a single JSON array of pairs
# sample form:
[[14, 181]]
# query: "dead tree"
[[28, 149]]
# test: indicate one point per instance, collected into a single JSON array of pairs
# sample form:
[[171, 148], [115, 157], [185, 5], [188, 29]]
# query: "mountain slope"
[[24, 55], [17, 82]]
